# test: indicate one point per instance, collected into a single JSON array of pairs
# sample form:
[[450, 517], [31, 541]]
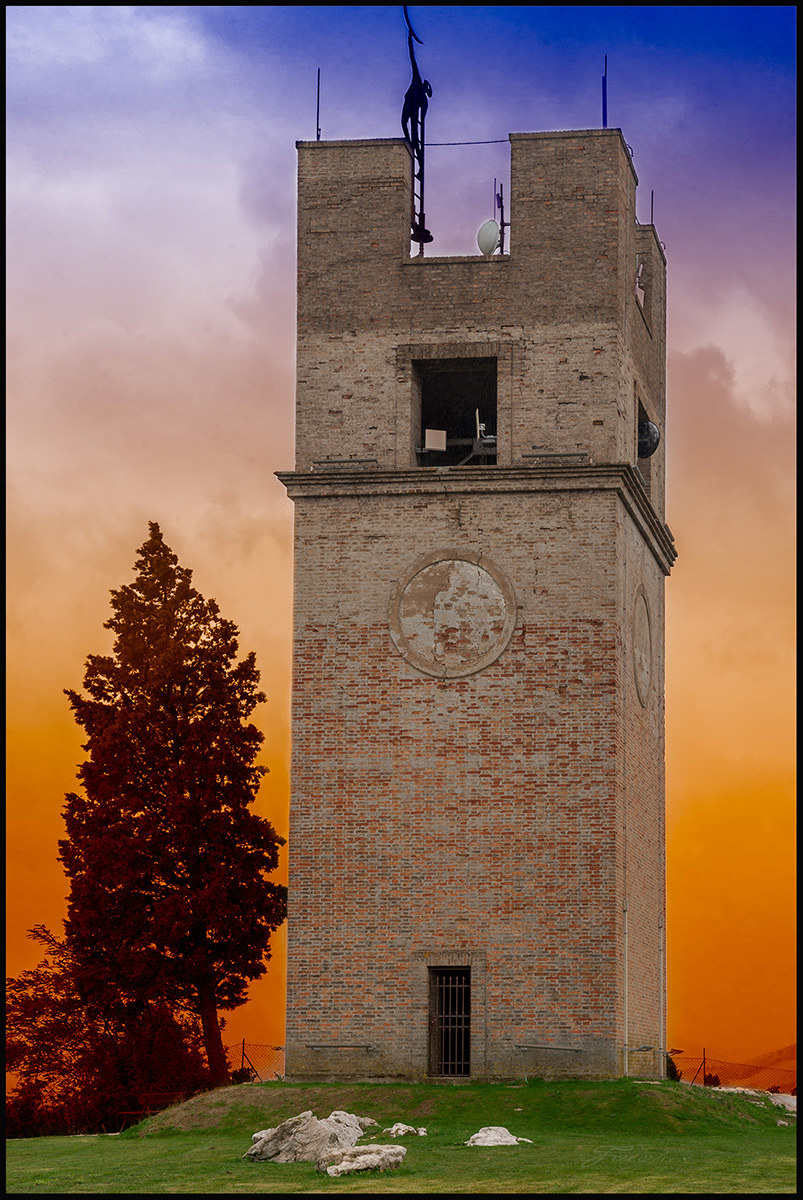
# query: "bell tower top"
[[552, 350]]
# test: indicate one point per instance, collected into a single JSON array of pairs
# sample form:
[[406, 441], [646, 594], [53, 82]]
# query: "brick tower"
[[477, 813]]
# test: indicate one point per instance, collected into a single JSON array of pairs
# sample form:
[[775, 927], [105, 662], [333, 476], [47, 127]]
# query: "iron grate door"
[[450, 1021]]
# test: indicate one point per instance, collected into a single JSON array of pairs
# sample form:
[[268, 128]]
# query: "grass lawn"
[[619, 1136]]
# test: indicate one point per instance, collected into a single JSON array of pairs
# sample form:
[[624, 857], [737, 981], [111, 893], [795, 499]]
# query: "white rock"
[[348, 1120], [495, 1135], [304, 1138], [781, 1099], [360, 1158], [400, 1130], [265, 1133]]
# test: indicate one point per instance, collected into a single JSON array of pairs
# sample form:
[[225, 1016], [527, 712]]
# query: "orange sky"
[[150, 377], [730, 720]]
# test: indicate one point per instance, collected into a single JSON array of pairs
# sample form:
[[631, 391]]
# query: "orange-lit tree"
[[168, 866], [78, 1070]]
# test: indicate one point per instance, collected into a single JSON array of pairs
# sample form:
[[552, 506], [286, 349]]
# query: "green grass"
[[619, 1136]]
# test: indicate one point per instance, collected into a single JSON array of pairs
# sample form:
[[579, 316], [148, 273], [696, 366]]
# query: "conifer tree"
[[169, 896], [78, 1070]]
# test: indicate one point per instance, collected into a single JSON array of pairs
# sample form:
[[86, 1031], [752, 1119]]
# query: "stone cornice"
[[621, 478]]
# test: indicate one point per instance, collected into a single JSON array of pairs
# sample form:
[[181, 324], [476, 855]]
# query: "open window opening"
[[641, 280], [645, 275], [457, 411], [450, 1021]]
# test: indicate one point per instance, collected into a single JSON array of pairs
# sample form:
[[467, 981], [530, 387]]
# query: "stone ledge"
[[622, 478]]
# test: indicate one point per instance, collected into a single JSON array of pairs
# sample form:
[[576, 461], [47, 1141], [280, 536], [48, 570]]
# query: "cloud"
[[731, 596], [159, 42], [125, 243], [758, 352]]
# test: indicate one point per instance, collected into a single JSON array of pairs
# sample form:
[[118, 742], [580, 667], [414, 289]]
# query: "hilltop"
[[622, 1104], [624, 1135], [785, 1058]]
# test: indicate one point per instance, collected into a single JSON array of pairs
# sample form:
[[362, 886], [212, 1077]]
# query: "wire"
[[490, 142]]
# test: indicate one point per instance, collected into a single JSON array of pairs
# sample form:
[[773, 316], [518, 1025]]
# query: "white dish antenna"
[[488, 237]]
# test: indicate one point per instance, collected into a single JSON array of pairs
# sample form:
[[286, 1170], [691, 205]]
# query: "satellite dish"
[[649, 436], [488, 237]]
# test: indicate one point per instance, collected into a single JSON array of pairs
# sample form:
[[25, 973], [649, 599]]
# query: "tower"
[[477, 830]]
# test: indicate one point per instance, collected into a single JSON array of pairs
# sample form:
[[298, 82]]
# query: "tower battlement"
[[573, 346]]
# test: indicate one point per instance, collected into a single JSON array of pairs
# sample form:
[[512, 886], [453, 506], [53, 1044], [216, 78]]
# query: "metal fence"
[[257, 1062], [716, 1072], [253, 1061]]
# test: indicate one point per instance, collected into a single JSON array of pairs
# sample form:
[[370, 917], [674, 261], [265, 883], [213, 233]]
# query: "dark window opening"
[[645, 266], [458, 411], [450, 1021], [641, 280]]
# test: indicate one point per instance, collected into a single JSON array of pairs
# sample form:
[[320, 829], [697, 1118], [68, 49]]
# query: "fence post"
[[242, 1060], [704, 1084]]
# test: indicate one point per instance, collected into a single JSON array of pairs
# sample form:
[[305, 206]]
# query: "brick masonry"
[[478, 693]]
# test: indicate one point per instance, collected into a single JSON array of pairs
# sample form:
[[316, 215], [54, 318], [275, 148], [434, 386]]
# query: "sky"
[[151, 341]]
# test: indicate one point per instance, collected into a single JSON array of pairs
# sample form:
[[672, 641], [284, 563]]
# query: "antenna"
[[318, 114], [652, 193], [605, 95], [499, 202], [491, 235]]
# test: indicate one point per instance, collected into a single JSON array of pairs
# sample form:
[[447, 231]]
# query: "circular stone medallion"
[[452, 614], [642, 648]]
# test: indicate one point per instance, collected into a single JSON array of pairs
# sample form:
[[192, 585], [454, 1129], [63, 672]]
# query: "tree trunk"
[[213, 1042]]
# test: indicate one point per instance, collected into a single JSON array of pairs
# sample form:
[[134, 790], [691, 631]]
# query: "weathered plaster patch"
[[452, 614]]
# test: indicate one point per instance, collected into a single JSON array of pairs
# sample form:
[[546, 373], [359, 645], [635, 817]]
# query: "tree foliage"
[[77, 1071], [169, 896]]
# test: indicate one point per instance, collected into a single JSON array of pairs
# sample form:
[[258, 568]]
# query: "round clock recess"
[[642, 648], [452, 614]]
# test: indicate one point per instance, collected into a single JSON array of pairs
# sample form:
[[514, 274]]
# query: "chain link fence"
[[716, 1072], [257, 1062], [252, 1062]]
